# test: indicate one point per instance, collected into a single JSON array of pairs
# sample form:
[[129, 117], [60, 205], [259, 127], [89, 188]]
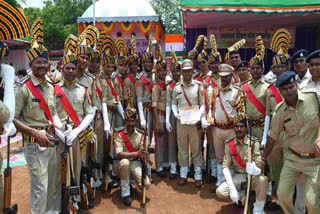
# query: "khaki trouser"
[[1, 186], [293, 168], [173, 140], [42, 167], [118, 120], [127, 169], [188, 136], [161, 150], [210, 142], [259, 185], [219, 138], [76, 160]]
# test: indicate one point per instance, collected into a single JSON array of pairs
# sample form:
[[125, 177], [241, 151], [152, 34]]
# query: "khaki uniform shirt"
[[4, 113], [129, 90], [28, 109], [169, 93], [136, 140], [159, 97], [142, 91], [215, 79], [300, 123], [242, 150], [261, 93], [87, 81], [117, 86], [193, 92], [107, 96], [232, 100], [306, 77], [79, 99]]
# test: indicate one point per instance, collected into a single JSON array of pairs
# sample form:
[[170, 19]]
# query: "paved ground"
[[164, 196]]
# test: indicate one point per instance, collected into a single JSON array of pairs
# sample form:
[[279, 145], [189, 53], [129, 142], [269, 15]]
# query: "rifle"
[[144, 167], [248, 206], [66, 192], [107, 160], [8, 209]]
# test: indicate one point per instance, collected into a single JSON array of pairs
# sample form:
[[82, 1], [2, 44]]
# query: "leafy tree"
[[168, 12], [59, 20]]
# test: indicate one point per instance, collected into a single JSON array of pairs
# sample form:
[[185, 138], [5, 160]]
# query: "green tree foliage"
[[59, 20], [167, 10]]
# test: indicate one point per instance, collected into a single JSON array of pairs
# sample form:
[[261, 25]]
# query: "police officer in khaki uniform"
[[236, 155], [7, 106], [227, 101], [299, 117], [193, 55], [171, 121], [214, 60], [159, 115], [129, 151], [234, 58], [300, 65], [187, 94], [37, 123], [120, 76], [243, 72], [129, 94], [143, 88]]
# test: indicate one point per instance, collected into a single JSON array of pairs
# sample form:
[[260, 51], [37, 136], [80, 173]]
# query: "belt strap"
[[274, 91], [223, 109], [208, 80], [99, 93], [119, 79], [147, 83], [254, 100], [37, 94], [114, 93], [303, 155], [235, 154], [185, 95], [172, 85], [126, 141], [162, 85], [133, 80]]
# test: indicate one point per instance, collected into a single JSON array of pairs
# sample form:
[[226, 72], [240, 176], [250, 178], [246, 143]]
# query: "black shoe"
[[162, 174], [172, 176], [271, 206], [212, 180], [112, 185], [127, 200]]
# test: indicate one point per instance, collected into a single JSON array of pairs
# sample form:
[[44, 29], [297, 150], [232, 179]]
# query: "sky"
[[32, 3]]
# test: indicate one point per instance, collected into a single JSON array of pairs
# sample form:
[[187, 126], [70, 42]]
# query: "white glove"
[[10, 129], [265, 131], [253, 169], [234, 195], [175, 111], [106, 123], [57, 122], [83, 125], [7, 73], [141, 115], [168, 112], [60, 134], [204, 122], [120, 109]]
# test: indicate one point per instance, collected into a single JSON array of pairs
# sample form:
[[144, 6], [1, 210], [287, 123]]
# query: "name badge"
[[36, 100], [60, 96]]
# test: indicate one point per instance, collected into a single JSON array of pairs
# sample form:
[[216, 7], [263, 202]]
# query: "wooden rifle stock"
[[8, 209], [246, 207]]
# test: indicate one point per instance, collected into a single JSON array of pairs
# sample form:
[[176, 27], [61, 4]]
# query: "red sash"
[[208, 80], [274, 91], [147, 83], [235, 154], [66, 104], [172, 85], [133, 80], [200, 79], [114, 93], [127, 142], [162, 85], [253, 99], [119, 79], [37, 94], [99, 93]]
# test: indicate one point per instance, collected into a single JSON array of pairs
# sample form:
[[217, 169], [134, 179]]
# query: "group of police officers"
[[101, 102]]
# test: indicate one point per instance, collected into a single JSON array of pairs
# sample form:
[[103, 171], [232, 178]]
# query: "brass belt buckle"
[[305, 156]]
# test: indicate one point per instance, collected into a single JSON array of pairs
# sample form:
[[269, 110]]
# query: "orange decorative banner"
[[127, 27], [106, 26], [145, 27]]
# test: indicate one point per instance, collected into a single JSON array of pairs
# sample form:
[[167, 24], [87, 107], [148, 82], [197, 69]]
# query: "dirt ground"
[[164, 196]]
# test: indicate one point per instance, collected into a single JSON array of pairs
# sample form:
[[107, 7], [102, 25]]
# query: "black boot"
[[127, 200]]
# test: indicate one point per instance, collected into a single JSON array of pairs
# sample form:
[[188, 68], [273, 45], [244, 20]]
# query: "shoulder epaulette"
[[23, 80], [197, 82], [81, 85], [119, 129], [310, 90], [113, 75], [237, 86], [229, 139], [178, 83], [90, 75], [140, 130], [252, 137], [139, 75], [278, 106]]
